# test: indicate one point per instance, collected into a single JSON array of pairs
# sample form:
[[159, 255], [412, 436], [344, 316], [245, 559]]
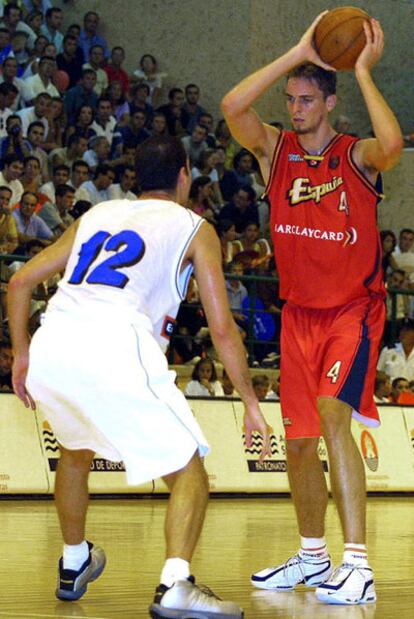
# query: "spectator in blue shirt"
[[81, 95], [30, 226], [88, 37]]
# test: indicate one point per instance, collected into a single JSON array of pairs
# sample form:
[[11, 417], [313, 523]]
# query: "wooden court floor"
[[240, 536]]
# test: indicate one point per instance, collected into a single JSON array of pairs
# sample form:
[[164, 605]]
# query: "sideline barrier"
[[29, 452]]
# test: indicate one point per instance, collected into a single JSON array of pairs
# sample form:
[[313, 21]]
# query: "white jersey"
[[127, 260]]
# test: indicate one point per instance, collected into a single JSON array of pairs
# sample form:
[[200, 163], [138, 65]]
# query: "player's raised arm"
[[50, 261], [205, 254], [382, 152], [244, 123]]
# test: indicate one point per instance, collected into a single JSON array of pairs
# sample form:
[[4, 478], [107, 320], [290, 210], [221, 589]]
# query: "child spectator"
[[204, 380]]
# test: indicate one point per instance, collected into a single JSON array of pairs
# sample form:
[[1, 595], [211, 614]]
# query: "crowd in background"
[[71, 119]]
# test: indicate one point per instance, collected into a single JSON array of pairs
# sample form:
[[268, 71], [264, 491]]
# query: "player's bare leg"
[[178, 595], [352, 582], [186, 508], [71, 493], [82, 562], [346, 468], [307, 485]]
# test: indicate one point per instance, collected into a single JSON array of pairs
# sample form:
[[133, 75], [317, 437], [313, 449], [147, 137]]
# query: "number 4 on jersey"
[[333, 373], [343, 203]]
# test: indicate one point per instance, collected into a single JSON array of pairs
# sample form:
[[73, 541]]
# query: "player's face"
[[306, 105]]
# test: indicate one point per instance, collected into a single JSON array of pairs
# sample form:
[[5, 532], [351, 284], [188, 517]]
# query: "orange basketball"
[[339, 36]]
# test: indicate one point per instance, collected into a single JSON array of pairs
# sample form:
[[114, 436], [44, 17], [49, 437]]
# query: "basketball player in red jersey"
[[321, 186]]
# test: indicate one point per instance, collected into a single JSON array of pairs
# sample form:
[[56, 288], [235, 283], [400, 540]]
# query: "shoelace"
[[207, 591], [349, 566], [294, 562]]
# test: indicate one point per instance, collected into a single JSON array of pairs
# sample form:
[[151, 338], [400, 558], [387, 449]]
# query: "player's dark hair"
[[159, 161], [326, 80]]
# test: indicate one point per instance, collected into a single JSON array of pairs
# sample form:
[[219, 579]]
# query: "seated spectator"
[[38, 51], [57, 216], [81, 95], [228, 387], [127, 158], [224, 139], [133, 134], [8, 93], [42, 81], [139, 96], [226, 231], [34, 19], [120, 106], [33, 145], [148, 74], [9, 76], [204, 380], [80, 174], [388, 242], [274, 391], [5, 45], [207, 167], [8, 230], [96, 63], [396, 280], [39, 111], [52, 27], [13, 143], [98, 153], [13, 21], [60, 176], [77, 146], [74, 30], [30, 226], [10, 175], [83, 123], [398, 360], [403, 254], [186, 345], [191, 108], [158, 124], [398, 386], [382, 390], [96, 190], [122, 190], [31, 178], [206, 120], [261, 384], [68, 62], [6, 363], [88, 36], [195, 144], [200, 198], [105, 123], [57, 125], [114, 69], [236, 293], [242, 209], [250, 241], [173, 112], [240, 176], [343, 124], [19, 47]]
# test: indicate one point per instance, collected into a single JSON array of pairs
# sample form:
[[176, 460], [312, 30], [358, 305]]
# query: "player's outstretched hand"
[[19, 374], [255, 422], [307, 49], [374, 47]]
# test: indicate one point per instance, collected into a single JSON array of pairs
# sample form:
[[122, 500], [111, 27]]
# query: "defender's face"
[[306, 105]]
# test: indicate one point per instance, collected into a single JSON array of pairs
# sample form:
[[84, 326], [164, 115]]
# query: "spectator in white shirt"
[[60, 176], [382, 390], [104, 123], [39, 111], [398, 360], [403, 253], [51, 29], [96, 191], [80, 174], [96, 61], [41, 82], [98, 153], [9, 76], [122, 190], [8, 94], [204, 380], [9, 177]]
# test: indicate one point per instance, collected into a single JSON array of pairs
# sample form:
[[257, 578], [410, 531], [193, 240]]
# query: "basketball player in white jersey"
[[98, 372]]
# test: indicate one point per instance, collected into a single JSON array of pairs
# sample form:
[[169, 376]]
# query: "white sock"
[[74, 556], [174, 569], [355, 554], [313, 548]]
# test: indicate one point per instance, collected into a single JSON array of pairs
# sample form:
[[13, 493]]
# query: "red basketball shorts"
[[329, 353]]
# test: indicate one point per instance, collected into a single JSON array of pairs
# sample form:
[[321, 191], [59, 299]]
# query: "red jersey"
[[323, 224]]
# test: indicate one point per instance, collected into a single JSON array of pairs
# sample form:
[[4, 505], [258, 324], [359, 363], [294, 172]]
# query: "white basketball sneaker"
[[349, 584], [185, 600], [296, 571]]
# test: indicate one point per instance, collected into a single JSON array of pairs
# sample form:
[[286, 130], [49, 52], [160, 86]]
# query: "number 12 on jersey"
[[129, 249]]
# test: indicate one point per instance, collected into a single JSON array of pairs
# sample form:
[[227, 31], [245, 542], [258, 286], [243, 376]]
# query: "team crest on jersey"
[[294, 157], [333, 162], [302, 191]]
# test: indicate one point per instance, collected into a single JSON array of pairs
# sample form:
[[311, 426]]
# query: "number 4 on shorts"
[[333, 373]]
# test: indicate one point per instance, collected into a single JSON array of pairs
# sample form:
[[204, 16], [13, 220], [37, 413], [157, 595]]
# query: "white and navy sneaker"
[[349, 584], [73, 584], [185, 600], [296, 571]]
